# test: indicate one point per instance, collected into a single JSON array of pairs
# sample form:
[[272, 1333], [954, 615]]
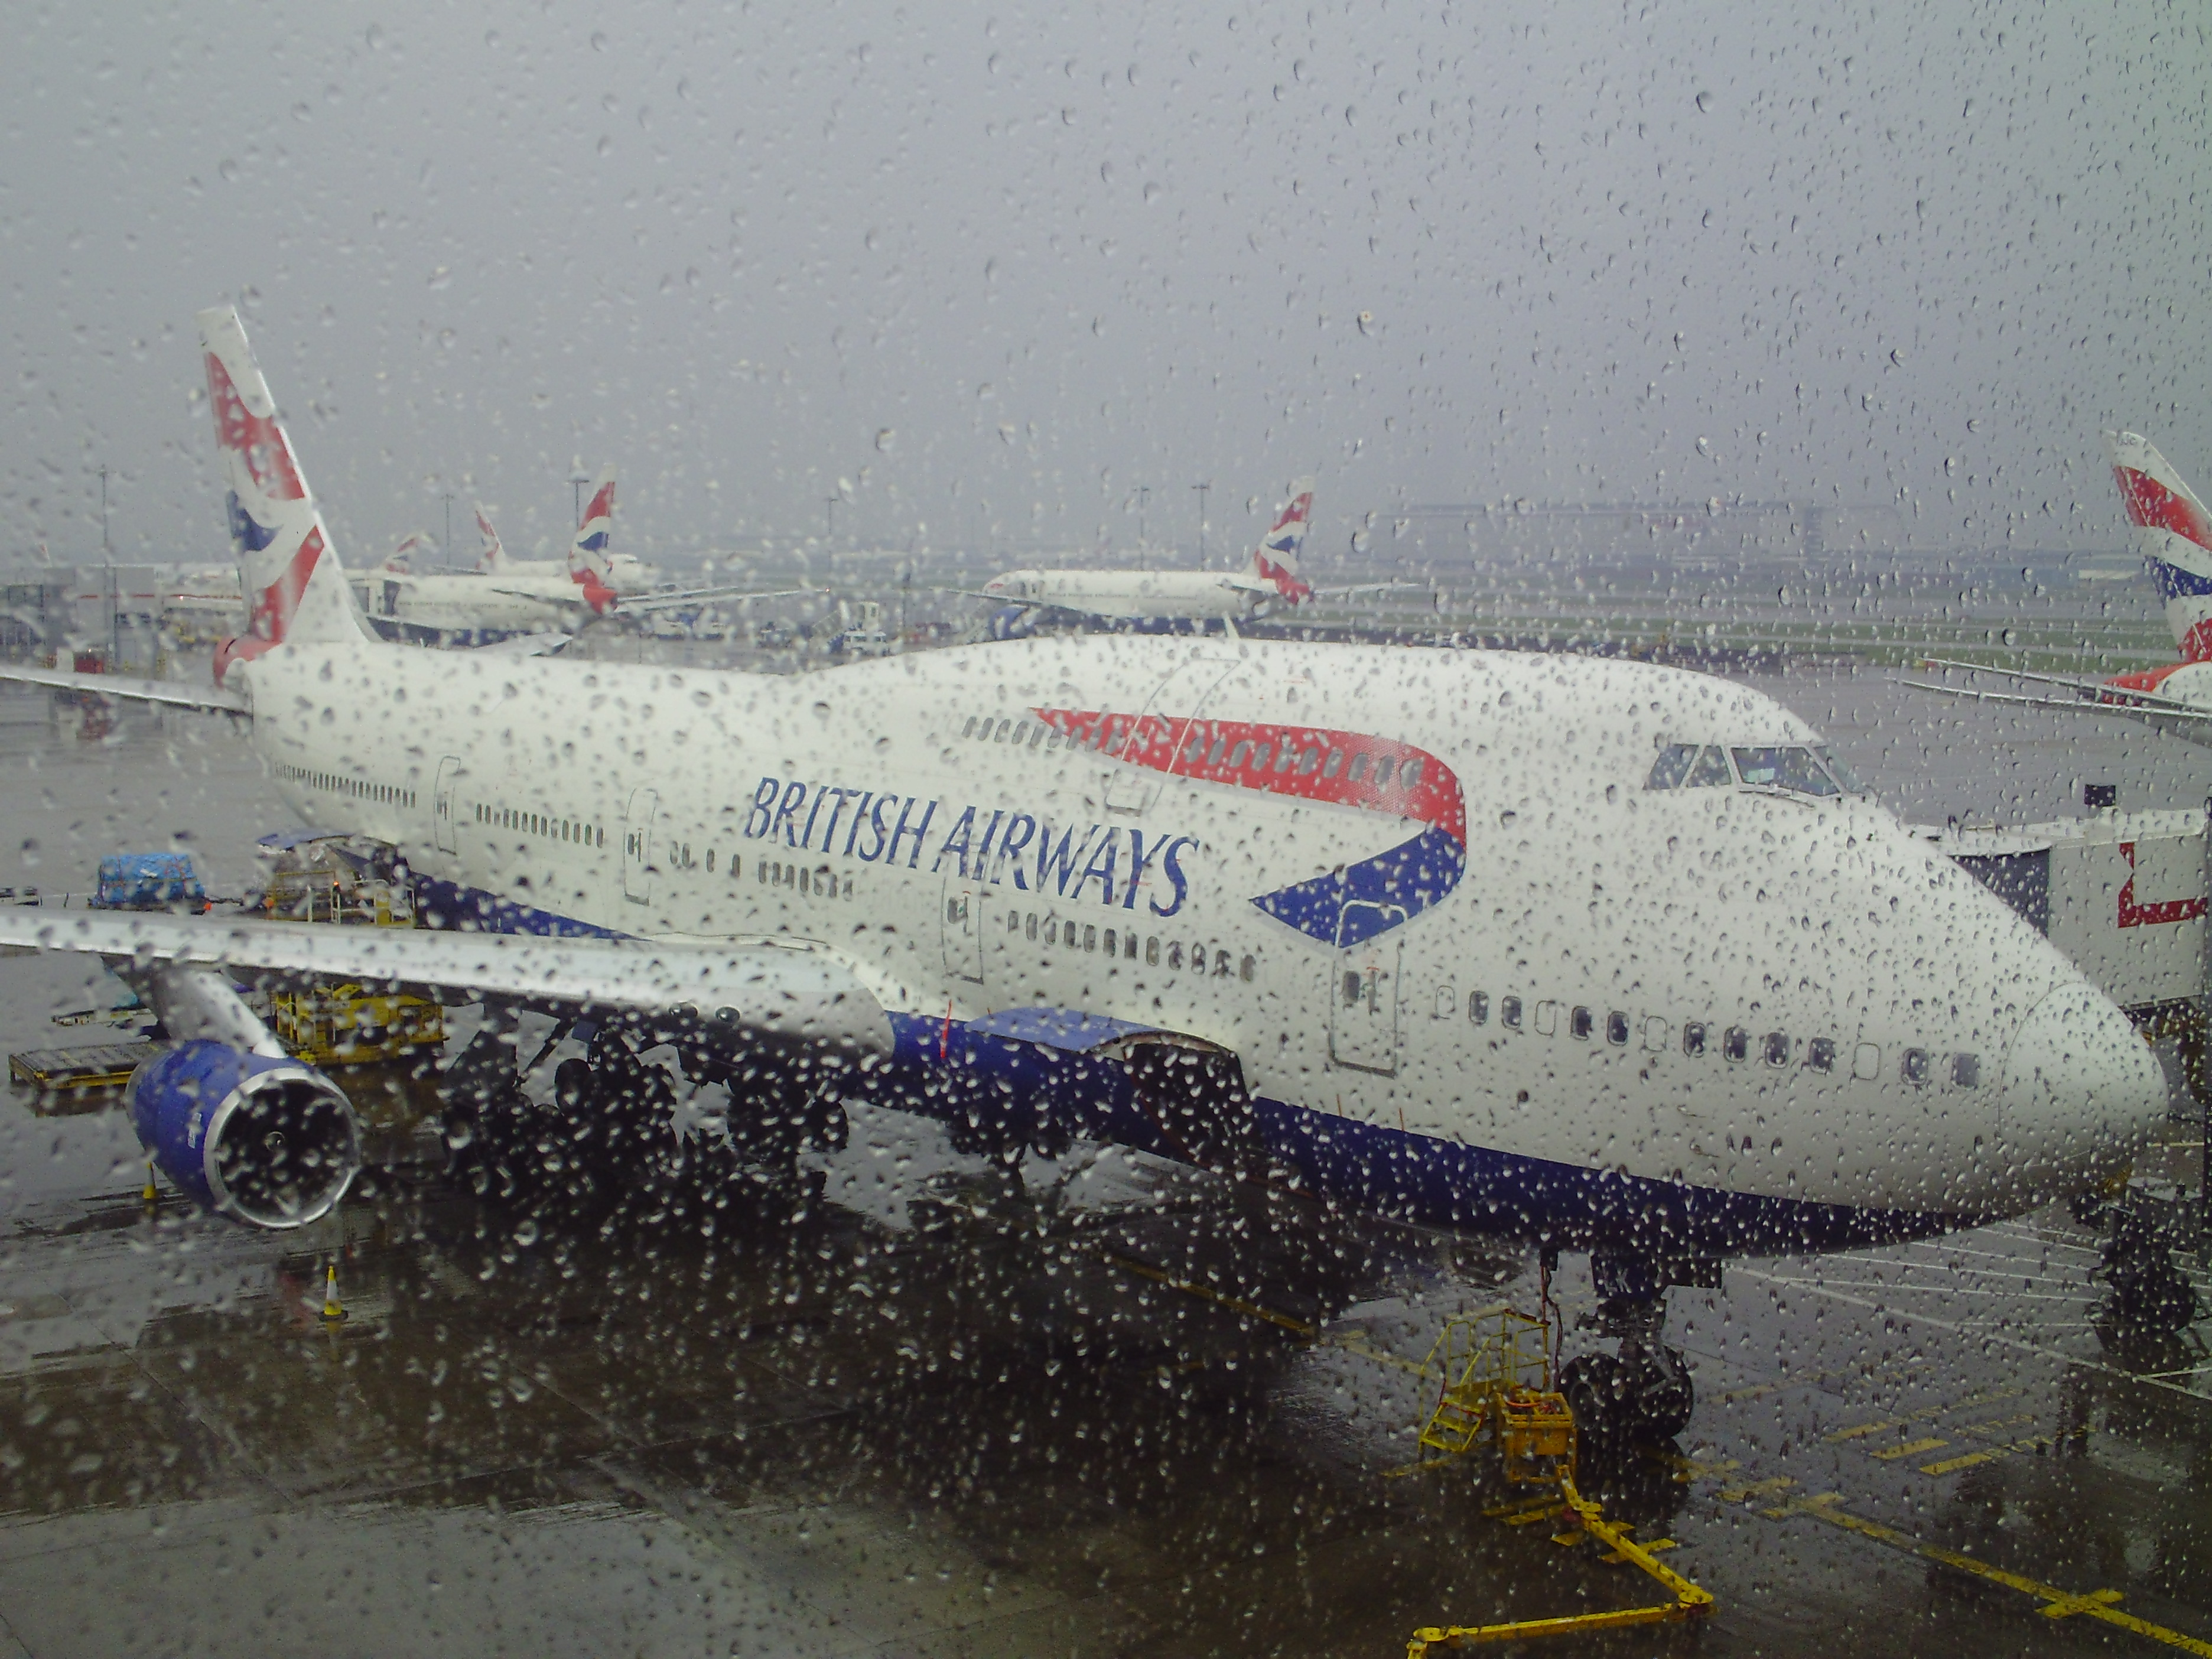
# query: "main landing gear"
[[1643, 1391], [608, 1144]]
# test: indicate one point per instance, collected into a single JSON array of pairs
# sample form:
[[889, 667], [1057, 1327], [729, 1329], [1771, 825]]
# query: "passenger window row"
[[984, 729], [1251, 755], [1050, 930], [541, 824], [359, 788], [1776, 1048], [820, 882]]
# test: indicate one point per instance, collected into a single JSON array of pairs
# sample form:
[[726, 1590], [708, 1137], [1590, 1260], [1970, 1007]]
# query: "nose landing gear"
[[1643, 1392]]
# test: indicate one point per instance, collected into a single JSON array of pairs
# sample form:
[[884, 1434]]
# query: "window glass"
[[1966, 1071], [1152, 951], [1914, 1068], [1578, 1023], [1672, 767], [1711, 770], [1735, 1043], [1820, 1054], [1478, 1007], [1508, 1012], [1775, 1046], [1790, 768], [1616, 1029], [1840, 770]]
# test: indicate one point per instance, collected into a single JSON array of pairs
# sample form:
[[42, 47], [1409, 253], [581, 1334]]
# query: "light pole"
[[829, 504], [446, 549], [1144, 552], [1202, 488], [576, 483], [106, 548]]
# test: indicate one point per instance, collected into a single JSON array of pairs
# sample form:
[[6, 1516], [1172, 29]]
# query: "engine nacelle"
[[268, 1141]]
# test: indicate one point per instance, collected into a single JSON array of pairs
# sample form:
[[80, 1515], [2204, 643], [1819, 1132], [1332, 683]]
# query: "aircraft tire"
[[1596, 1393]]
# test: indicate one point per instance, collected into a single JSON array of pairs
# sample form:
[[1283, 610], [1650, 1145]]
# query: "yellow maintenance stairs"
[[1494, 1371]]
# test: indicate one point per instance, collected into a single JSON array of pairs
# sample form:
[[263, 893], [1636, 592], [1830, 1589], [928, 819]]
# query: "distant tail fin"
[[587, 554], [2173, 533], [493, 559], [293, 587], [1275, 561], [400, 562]]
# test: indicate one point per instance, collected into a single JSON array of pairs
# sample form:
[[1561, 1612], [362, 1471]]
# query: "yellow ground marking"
[[1910, 1448], [2058, 1603], [1756, 1489], [1865, 1429], [1687, 1469], [1991, 1456]]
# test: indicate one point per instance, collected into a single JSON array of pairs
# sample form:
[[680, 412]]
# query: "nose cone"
[[2082, 1093]]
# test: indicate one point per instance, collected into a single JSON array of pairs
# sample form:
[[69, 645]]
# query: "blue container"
[[148, 881]]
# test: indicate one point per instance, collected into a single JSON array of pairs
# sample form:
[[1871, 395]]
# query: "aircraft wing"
[[525, 645], [1357, 588], [129, 689], [2089, 695], [769, 990], [552, 602], [644, 604]]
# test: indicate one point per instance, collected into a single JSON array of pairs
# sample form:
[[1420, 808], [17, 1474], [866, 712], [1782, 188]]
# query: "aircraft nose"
[[2082, 1093]]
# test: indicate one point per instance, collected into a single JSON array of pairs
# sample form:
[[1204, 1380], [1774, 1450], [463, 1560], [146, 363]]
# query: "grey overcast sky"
[[994, 269]]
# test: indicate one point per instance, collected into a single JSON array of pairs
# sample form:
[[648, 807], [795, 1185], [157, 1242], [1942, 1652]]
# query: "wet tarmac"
[[920, 1405]]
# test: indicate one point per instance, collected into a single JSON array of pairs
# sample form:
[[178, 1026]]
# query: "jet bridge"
[[2123, 894]]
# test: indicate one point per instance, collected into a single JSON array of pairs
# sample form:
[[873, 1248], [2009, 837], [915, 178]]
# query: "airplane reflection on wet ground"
[[934, 1412]]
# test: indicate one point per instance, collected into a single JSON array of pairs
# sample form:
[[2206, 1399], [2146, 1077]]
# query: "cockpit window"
[[1711, 770], [1672, 766], [1793, 769], [1840, 770]]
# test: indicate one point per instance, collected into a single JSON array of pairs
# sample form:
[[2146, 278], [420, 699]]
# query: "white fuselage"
[[849, 809], [536, 598], [1131, 595]]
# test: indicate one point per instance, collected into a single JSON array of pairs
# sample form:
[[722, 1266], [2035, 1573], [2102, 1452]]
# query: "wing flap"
[[769, 990]]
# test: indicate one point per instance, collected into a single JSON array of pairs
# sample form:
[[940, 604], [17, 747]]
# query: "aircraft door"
[[963, 923], [637, 845], [1179, 699], [1362, 1028], [442, 828]]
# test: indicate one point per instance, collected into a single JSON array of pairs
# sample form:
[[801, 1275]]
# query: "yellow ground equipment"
[[100, 1066], [327, 896], [1494, 1371], [345, 1025]]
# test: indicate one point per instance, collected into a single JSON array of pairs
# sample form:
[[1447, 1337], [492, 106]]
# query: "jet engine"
[[231, 1119]]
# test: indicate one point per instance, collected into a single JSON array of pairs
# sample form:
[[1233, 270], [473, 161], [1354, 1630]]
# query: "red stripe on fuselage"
[[1282, 760], [258, 439], [2152, 506]]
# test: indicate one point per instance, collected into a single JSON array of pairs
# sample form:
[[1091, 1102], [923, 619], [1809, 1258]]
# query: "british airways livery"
[[1599, 953], [2173, 534]]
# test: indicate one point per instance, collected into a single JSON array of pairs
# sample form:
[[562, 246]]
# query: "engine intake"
[[262, 1139]]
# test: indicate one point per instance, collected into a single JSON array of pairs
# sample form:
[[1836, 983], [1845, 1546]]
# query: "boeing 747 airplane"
[[1599, 954]]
